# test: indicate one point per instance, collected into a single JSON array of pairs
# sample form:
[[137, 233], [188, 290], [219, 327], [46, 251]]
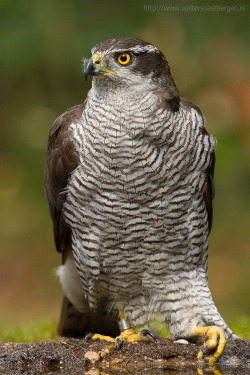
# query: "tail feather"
[[75, 324]]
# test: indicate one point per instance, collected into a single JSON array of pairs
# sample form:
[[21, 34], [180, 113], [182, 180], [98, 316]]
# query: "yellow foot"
[[214, 340], [99, 337], [128, 335]]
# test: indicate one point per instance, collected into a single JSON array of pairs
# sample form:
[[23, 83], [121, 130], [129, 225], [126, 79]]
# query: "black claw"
[[206, 350], [146, 332], [118, 343], [88, 336]]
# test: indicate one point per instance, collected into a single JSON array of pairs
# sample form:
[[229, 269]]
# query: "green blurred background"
[[41, 47]]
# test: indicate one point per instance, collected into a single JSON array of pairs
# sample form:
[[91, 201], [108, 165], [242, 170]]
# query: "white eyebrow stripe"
[[148, 48], [138, 49]]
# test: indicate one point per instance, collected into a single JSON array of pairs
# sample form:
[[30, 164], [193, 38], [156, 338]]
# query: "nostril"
[[97, 62]]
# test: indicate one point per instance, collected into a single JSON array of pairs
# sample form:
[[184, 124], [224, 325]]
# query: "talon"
[[206, 350], [118, 343], [88, 336], [214, 340], [145, 333]]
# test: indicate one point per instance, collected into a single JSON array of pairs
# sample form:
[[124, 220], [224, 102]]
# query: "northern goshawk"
[[129, 181]]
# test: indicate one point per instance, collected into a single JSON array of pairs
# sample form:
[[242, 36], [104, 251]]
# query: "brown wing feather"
[[209, 191], [62, 159]]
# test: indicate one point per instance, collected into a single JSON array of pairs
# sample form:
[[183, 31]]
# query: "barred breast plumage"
[[136, 204]]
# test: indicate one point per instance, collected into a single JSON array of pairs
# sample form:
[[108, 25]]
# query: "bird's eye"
[[124, 58]]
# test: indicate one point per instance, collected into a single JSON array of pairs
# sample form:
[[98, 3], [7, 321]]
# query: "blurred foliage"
[[241, 327], [42, 44], [28, 331]]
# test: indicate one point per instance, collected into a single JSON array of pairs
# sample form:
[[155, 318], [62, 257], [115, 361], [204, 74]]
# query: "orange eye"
[[124, 58]]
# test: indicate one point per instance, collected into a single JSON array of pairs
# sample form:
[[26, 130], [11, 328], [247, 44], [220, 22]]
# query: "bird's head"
[[130, 63]]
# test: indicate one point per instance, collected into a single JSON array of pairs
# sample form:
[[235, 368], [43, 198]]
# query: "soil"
[[75, 356]]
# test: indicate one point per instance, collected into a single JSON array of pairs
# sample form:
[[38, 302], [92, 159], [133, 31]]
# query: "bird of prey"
[[129, 181]]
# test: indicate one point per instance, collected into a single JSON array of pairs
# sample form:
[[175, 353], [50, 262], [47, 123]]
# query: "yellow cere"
[[96, 58]]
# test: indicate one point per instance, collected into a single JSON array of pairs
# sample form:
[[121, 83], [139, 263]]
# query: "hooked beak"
[[93, 66], [90, 69]]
